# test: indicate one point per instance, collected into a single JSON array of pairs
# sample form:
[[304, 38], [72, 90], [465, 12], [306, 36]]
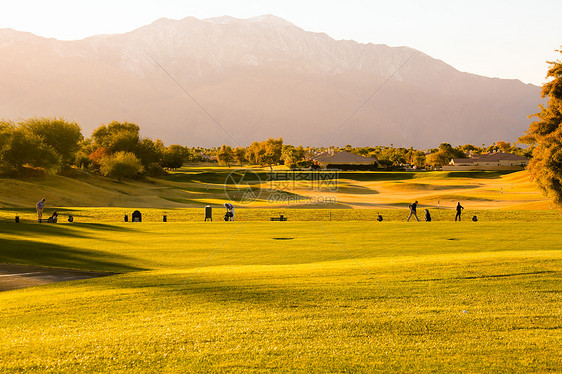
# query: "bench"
[[280, 218]]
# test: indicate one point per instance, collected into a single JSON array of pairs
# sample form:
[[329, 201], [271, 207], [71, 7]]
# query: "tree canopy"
[[20, 147], [545, 135], [64, 137], [267, 152], [444, 155], [226, 155], [174, 156]]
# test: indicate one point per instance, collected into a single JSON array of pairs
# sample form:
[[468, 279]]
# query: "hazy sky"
[[496, 38]]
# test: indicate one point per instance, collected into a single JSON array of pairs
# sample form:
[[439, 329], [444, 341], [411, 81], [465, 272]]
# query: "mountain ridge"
[[262, 77]]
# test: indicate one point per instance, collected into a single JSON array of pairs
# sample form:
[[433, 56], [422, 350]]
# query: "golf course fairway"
[[287, 296]]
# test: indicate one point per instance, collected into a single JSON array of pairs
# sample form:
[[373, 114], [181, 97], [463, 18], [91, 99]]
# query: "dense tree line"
[[118, 150], [436, 157], [274, 152], [54, 144]]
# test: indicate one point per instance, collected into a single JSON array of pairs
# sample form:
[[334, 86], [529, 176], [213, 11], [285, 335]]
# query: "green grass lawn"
[[195, 187], [115, 215], [297, 296]]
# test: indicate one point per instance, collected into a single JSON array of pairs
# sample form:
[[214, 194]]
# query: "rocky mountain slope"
[[226, 80]]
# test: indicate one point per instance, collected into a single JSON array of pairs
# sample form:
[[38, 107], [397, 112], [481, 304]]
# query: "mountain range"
[[226, 80]]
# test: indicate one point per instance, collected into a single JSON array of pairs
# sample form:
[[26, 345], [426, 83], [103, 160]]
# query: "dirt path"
[[20, 276]]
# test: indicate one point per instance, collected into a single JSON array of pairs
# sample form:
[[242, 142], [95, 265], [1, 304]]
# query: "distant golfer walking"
[[459, 210], [40, 206], [413, 208]]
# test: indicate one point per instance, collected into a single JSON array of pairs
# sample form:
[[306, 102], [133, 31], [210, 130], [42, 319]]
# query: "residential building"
[[490, 161]]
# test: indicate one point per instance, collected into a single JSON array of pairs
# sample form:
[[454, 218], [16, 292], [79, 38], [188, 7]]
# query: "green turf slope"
[[192, 187], [290, 297]]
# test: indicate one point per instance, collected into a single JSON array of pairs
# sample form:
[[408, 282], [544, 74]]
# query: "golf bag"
[[53, 218], [427, 216], [228, 215]]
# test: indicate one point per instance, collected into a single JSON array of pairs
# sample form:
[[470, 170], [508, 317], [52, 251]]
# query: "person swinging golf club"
[[229, 216], [40, 206]]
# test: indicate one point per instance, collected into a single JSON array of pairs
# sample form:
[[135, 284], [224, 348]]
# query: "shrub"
[[121, 165]]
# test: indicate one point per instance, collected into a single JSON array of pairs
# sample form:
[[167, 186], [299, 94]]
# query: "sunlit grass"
[[400, 213], [330, 290], [331, 297], [191, 187]]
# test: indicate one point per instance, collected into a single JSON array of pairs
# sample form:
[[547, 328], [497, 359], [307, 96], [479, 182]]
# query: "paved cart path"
[[21, 276]]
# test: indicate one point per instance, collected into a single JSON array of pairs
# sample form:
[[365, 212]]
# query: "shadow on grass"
[[185, 201], [202, 177], [219, 177], [371, 205], [239, 292], [375, 176], [75, 230], [15, 251], [356, 189], [430, 187], [478, 174]]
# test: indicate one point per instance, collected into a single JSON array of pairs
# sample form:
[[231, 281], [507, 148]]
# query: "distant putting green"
[[297, 296]]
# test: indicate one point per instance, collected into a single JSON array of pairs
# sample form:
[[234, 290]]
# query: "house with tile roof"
[[490, 161]]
